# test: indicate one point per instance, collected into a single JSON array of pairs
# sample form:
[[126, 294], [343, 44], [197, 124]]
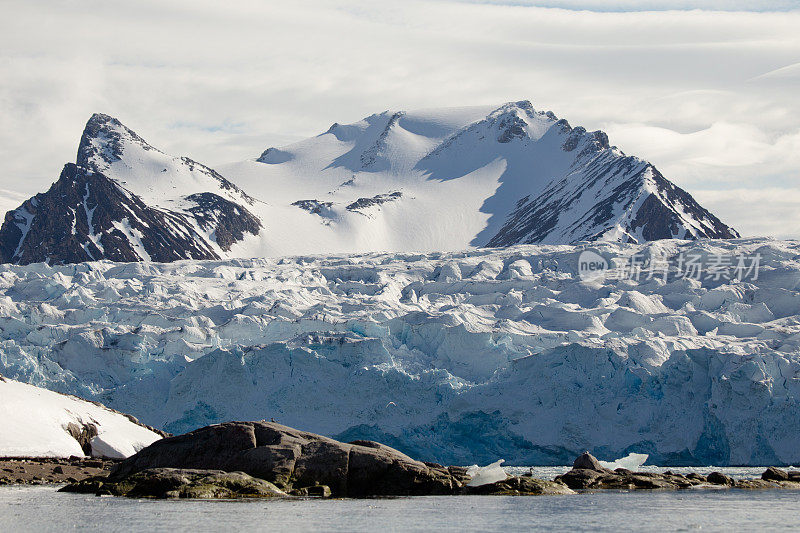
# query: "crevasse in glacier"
[[454, 357]]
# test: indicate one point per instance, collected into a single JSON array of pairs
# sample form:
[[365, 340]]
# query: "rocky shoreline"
[[268, 460], [588, 474], [51, 470]]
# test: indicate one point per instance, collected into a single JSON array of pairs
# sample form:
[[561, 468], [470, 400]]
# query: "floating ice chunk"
[[632, 461], [486, 474]]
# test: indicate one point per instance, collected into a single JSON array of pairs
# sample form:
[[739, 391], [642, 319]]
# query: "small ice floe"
[[483, 475], [632, 461]]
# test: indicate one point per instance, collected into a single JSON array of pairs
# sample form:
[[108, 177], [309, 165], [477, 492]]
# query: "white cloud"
[[653, 5], [770, 211], [222, 81], [722, 148]]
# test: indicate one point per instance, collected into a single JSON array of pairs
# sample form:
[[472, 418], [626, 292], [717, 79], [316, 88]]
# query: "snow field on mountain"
[[461, 174], [459, 357], [35, 421], [428, 180]]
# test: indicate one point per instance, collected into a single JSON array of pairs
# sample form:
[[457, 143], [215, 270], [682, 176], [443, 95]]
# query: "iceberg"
[[632, 461], [484, 475]]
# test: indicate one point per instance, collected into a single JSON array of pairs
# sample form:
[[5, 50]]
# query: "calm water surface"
[[26, 508]]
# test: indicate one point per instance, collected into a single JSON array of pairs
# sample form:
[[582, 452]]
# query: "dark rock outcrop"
[[180, 483], [520, 486], [718, 478], [258, 459], [315, 207], [226, 220], [775, 474], [378, 199], [588, 474], [83, 434], [587, 461], [293, 459], [266, 459]]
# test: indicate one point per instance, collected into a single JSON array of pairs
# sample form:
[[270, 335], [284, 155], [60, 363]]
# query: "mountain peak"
[[523, 107], [456, 177], [98, 119], [102, 142]]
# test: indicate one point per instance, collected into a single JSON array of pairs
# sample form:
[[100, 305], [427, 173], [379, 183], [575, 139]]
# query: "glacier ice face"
[[458, 357]]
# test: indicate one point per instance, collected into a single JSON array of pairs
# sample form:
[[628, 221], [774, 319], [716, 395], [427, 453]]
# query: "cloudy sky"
[[705, 89]]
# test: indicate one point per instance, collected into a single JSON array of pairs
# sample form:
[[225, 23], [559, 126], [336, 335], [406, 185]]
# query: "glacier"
[[453, 357]]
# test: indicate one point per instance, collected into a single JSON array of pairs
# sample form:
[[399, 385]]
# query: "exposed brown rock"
[[290, 458], [180, 483], [718, 478], [579, 478], [84, 434], [587, 461], [18, 470], [775, 474], [520, 486]]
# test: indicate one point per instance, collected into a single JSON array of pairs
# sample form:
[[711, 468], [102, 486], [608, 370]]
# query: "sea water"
[[39, 508]]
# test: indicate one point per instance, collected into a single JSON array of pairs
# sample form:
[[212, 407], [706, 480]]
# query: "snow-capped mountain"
[[444, 179], [40, 423], [448, 179], [126, 201]]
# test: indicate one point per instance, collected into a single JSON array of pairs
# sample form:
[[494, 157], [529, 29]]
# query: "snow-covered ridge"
[[469, 177], [41, 423], [457, 357], [429, 180], [108, 147]]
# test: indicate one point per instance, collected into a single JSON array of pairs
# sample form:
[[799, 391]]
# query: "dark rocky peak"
[[510, 121], [97, 210], [608, 196], [86, 216], [103, 141], [523, 107], [658, 216], [563, 125]]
